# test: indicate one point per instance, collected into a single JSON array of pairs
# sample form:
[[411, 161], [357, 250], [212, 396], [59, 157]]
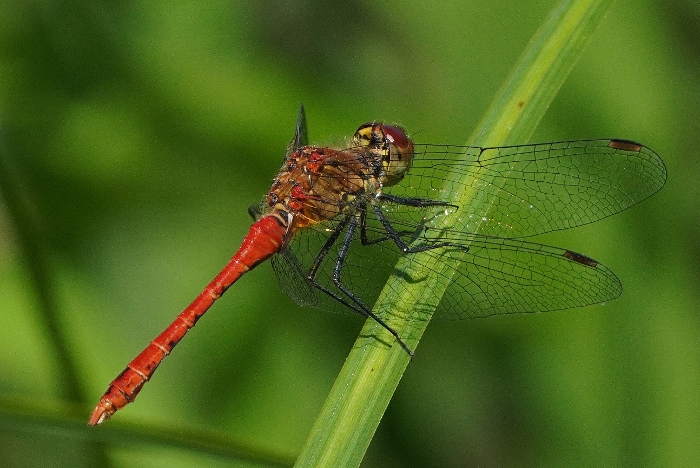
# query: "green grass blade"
[[67, 421], [15, 198], [366, 383], [539, 74], [27, 230]]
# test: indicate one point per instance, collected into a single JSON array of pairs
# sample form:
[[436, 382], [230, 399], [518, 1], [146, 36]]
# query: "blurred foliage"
[[134, 135]]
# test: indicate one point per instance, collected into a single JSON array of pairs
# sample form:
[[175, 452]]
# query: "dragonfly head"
[[392, 144]]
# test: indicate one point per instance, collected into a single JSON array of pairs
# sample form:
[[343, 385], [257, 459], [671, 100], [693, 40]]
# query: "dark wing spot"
[[625, 145], [582, 259]]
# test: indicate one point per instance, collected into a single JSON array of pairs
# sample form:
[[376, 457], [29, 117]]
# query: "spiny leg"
[[417, 202], [394, 235], [340, 261], [332, 239], [354, 303], [323, 253], [406, 201]]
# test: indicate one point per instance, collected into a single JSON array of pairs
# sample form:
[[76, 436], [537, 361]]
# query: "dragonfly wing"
[[494, 276], [507, 276], [520, 191], [292, 278], [300, 135]]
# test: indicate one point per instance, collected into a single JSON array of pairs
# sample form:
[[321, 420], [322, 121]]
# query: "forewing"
[[520, 191]]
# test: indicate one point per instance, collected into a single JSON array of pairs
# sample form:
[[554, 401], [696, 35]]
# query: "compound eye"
[[397, 137], [400, 153]]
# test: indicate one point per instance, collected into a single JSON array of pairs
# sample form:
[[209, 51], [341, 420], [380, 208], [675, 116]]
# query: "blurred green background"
[[134, 136]]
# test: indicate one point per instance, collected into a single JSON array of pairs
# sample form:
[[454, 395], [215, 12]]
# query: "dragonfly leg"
[[363, 309], [351, 301], [417, 202], [394, 235], [366, 241], [332, 239], [364, 238], [356, 305]]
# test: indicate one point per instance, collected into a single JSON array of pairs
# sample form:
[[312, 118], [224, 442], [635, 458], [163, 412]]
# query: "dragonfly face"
[[393, 147]]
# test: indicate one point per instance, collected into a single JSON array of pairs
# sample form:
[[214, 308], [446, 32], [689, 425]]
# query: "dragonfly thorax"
[[317, 184]]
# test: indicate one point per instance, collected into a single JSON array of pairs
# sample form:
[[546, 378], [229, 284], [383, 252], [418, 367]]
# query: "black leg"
[[332, 239], [394, 235], [417, 202], [350, 223], [342, 253], [353, 302], [364, 238]]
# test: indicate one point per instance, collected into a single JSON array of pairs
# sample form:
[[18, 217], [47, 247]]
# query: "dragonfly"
[[335, 221]]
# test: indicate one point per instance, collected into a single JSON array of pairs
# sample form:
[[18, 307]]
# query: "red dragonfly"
[[334, 231]]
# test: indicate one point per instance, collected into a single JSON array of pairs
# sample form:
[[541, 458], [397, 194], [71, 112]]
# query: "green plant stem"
[[373, 369]]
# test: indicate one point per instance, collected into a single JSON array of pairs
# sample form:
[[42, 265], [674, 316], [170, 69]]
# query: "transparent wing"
[[300, 135], [292, 278], [512, 192], [505, 276], [495, 275], [520, 191]]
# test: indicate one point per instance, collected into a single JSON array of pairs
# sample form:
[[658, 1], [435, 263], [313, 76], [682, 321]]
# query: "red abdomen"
[[263, 240]]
